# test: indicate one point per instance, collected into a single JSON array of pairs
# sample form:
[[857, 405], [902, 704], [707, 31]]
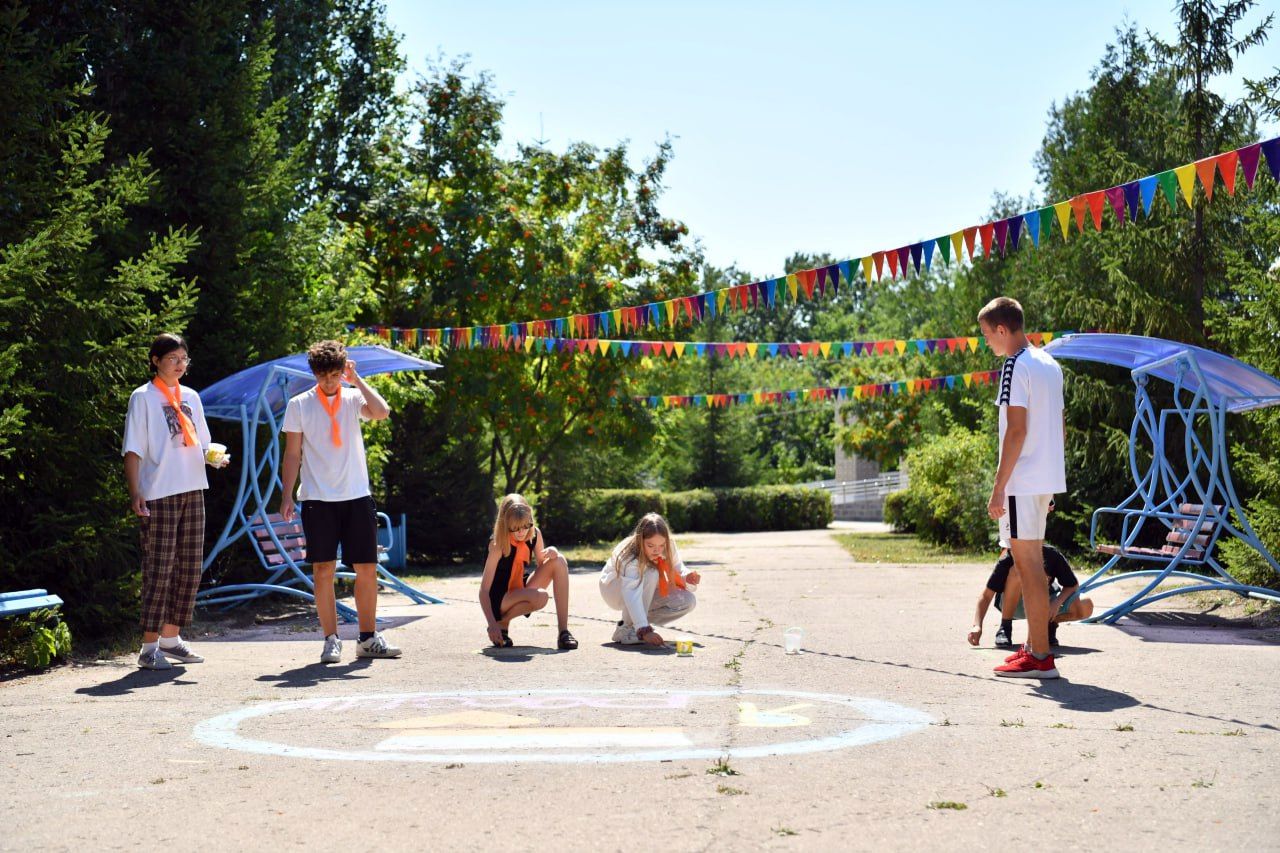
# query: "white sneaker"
[[332, 649], [376, 647], [153, 659], [181, 652], [625, 635]]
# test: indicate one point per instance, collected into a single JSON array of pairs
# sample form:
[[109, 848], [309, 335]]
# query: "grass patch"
[[785, 830], [722, 768], [730, 792], [995, 792], [904, 548], [1011, 724], [1124, 727], [1062, 726], [940, 805]]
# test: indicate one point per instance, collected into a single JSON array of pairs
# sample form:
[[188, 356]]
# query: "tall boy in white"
[[323, 439], [1031, 471]]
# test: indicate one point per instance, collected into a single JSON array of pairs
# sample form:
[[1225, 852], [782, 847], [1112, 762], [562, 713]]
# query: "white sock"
[[170, 642], [149, 647]]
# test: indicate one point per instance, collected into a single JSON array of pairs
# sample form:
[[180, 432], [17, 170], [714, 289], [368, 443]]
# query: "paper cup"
[[215, 453], [684, 648], [792, 640]]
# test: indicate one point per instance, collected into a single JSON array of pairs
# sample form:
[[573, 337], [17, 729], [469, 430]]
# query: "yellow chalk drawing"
[[771, 718]]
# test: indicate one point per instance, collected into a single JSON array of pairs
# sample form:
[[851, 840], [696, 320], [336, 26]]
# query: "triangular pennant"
[[1115, 198], [878, 257], [1131, 201], [1032, 218], [848, 348], [1206, 171], [679, 348], [1271, 150], [904, 253], [1096, 200], [957, 245], [1002, 234], [1147, 190], [1046, 222], [929, 246], [1249, 162], [1078, 205], [822, 281], [917, 252], [809, 278], [752, 348], [793, 286], [1187, 181], [988, 234], [773, 350], [1227, 164], [900, 346], [1168, 182], [969, 234], [893, 263], [866, 268], [1063, 210], [1015, 231], [973, 344], [825, 348], [846, 270], [944, 246]]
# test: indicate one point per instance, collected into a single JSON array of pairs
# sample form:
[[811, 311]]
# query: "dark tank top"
[[502, 574]]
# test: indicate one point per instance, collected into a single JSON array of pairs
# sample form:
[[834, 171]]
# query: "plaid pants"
[[172, 551]]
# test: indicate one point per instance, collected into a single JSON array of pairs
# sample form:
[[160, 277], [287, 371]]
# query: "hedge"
[[600, 515]]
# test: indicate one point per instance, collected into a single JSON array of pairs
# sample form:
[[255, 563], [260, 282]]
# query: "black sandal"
[[566, 641], [506, 640]]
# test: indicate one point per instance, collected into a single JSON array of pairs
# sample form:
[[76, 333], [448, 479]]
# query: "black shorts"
[[352, 524]]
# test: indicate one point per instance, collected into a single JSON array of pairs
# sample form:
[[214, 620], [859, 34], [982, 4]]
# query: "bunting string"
[[505, 338], [1003, 236], [865, 391]]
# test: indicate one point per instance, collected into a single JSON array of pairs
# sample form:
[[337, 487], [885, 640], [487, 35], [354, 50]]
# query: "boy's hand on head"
[[349, 374]]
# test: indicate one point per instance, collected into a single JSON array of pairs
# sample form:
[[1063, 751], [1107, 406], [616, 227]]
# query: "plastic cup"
[[792, 640], [215, 453], [684, 648]]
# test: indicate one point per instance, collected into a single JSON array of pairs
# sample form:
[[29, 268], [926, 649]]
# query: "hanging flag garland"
[[835, 393], [506, 338], [1006, 235]]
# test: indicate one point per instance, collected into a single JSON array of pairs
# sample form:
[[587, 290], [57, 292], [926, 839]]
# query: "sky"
[[802, 126]]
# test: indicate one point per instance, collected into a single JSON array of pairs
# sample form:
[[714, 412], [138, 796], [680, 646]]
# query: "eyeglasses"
[[521, 528], [177, 359]]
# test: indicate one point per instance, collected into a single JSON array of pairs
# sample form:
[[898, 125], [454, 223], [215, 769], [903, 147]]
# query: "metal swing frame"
[[1164, 491]]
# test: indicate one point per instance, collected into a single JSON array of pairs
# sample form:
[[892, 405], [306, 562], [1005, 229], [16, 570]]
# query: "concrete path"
[[1156, 738]]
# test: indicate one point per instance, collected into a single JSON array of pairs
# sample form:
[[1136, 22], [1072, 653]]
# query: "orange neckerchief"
[[518, 562], [334, 432], [666, 575], [174, 396]]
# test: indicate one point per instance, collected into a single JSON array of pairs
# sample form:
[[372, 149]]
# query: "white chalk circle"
[[597, 726]]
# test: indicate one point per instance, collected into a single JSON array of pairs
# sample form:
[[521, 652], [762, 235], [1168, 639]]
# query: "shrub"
[[607, 514], [895, 512], [34, 640], [946, 501]]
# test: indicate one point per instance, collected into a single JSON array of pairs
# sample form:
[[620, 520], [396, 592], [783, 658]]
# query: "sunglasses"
[[521, 528]]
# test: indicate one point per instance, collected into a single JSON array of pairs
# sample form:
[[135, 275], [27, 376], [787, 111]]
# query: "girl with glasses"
[[164, 449], [517, 572]]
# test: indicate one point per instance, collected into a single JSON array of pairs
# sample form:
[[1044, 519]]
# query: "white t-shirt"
[[1032, 379], [329, 473], [152, 431]]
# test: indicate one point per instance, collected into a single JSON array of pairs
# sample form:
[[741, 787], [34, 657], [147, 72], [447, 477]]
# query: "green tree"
[[76, 322]]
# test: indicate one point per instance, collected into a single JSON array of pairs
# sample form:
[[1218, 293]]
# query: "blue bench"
[[26, 601]]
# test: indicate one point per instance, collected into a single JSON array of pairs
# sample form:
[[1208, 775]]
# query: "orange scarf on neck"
[[667, 575], [332, 408], [518, 562], [174, 396]]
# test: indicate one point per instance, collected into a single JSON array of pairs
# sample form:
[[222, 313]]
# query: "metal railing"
[[863, 491]]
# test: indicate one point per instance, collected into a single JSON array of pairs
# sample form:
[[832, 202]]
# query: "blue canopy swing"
[[256, 397], [1193, 500]]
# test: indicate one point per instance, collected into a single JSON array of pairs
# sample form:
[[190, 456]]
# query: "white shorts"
[[1024, 518]]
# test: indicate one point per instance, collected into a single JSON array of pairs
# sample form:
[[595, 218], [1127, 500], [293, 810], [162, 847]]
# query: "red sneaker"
[[1028, 667], [1022, 650]]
